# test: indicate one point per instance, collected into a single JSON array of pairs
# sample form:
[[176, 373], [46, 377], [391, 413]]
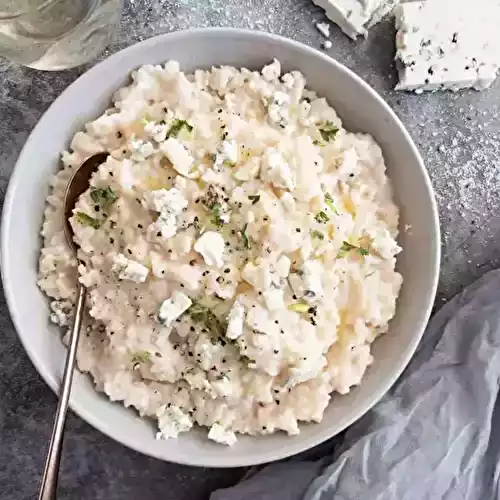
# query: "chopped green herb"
[[140, 357], [317, 234], [329, 131], [330, 204], [177, 126], [201, 314], [86, 220], [104, 197], [300, 307], [254, 198], [347, 247], [321, 217], [197, 312], [228, 163], [216, 211], [246, 239]]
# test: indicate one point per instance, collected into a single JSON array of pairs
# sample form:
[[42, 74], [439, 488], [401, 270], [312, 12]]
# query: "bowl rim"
[[88, 415]]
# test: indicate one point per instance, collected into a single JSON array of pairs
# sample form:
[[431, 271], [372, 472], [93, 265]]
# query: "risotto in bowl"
[[242, 250]]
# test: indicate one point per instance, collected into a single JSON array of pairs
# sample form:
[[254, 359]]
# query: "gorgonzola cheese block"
[[441, 48]]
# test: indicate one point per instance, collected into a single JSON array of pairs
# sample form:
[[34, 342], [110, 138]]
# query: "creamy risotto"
[[238, 246]]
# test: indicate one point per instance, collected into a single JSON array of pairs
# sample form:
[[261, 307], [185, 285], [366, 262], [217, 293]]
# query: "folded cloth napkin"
[[434, 436]]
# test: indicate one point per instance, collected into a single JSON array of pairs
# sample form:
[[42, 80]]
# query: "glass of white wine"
[[56, 34]]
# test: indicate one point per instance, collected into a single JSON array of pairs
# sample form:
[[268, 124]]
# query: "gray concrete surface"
[[458, 135]]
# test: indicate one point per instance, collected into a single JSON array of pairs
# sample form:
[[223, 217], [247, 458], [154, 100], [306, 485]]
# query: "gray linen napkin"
[[435, 435]]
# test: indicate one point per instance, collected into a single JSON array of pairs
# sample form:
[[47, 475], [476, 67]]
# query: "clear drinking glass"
[[56, 34]]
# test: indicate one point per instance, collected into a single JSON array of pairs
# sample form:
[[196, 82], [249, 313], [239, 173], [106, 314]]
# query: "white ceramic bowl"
[[360, 108]]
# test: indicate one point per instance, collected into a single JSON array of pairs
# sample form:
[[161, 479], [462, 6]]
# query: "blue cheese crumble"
[[128, 269], [171, 422], [220, 435], [173, 307]]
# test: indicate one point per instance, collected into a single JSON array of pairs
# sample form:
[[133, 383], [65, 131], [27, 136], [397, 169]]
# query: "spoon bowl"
[[78, 184]]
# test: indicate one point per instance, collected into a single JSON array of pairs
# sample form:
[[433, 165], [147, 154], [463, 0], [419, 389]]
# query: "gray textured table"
[[458, 135]]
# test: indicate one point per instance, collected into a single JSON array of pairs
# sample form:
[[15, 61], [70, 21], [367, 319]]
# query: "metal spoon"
[[78, 184]]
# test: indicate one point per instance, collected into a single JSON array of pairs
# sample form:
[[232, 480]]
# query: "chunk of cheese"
[[355, 17], [441, 48]]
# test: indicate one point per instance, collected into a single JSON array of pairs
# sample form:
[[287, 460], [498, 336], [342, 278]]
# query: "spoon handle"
[[49, 482]]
